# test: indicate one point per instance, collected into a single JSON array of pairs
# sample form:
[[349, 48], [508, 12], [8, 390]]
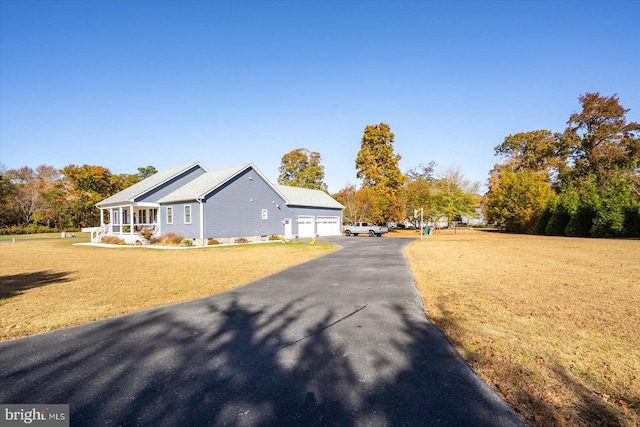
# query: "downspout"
[[201, 201]]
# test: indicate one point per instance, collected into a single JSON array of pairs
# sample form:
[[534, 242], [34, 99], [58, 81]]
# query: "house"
[[233, 202], [476, 219]]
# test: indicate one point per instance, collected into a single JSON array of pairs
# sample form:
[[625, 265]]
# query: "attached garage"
[[306, 226], [329, 226]]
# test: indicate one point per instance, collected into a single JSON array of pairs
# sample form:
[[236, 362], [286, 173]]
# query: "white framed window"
[[169, 215], [265, 214], [187, 214]]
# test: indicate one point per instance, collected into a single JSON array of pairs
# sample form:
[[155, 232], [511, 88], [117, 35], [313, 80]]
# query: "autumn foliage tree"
[[454, 196], [418, 192], [360, 204], [600, 140], [302, 168], [48, 198], [377, 166], [517, 198], [593, 169]]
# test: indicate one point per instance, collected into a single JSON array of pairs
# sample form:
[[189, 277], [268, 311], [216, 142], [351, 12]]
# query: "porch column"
[[131, 220], [159, 221], [120, 219], [101, 218]]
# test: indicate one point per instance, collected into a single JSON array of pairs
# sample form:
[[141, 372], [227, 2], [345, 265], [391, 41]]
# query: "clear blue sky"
[[124, 84]]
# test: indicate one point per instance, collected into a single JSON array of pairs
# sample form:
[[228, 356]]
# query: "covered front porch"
[[128, 222]]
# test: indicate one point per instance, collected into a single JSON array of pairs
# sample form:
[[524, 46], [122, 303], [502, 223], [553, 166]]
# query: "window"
[[187, 214], [170, 215], [265, 214]]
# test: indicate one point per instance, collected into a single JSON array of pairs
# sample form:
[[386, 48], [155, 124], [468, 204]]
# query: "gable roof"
[[297, 196], [206, 183], [203, 185], [138, 189]]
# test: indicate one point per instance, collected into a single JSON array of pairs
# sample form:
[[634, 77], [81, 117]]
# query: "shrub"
[[615, 211], [146, 234], [241, 240], [112, 240], [186, 242], [544, 219], [566, 206], [29, 229], [589, 204], [274, 237], [213, 242], [171, 239]]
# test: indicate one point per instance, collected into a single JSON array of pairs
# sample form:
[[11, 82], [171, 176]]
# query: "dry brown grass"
[[50, 284], [552, 322]]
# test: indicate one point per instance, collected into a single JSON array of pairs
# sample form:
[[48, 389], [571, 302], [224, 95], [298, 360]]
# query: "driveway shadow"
[[238, 365]]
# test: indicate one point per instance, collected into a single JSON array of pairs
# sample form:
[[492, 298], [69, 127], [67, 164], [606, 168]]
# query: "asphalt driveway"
[[341, 340]]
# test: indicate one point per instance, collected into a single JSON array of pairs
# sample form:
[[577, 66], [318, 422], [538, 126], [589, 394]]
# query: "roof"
[[203, 184], [138, 189], [306, 197], [209, 181]]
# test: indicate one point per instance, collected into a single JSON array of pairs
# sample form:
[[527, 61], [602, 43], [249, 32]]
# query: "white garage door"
[[329, 226], [306, 226]]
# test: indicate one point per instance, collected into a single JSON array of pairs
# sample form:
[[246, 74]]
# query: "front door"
[[287, 229]]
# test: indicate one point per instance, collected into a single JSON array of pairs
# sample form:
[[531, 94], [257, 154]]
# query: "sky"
[[125, 84]]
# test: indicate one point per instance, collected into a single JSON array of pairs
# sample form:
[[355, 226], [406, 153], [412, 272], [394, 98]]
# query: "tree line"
[[51, 199], [584, 181], [385, 193]]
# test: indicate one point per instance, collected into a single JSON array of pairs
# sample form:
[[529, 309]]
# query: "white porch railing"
[[98, 232], [122, 230]]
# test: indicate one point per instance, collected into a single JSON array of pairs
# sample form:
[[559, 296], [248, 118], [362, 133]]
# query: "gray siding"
[[191, 231], [235, 209], [172, 185]]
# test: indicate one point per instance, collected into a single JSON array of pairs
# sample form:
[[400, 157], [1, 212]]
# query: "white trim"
[[201, 201], [169, 214], [242, 170], [184, 211]]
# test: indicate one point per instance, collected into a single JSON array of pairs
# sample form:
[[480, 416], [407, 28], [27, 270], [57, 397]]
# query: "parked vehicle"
[[365, 228]]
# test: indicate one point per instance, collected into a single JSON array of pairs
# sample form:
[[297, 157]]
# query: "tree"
[[378, 166], [87, 185], [537, 151], [561, 209], [454, 195], [618, 214], [302, 168], [360, 205], [517, 199], [9, 215], [418, 191], [146, 172], [600, 140], [27, 199]]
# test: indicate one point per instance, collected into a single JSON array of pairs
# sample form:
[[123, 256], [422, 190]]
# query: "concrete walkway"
[[341, 340]]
